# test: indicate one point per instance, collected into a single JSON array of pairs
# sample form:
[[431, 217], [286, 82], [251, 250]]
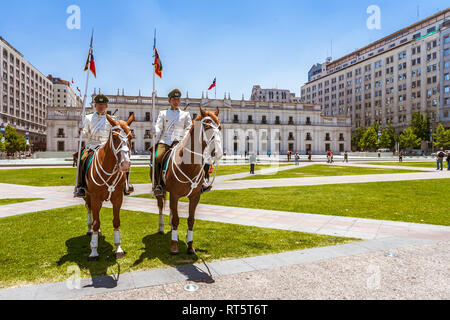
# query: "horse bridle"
[[196, 180], [123, 146]]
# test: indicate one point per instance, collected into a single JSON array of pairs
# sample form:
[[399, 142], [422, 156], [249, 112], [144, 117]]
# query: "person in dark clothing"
[[440, 159]]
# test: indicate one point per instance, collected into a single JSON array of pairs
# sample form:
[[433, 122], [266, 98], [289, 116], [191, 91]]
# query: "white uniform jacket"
[[172, 126], [96, 130]]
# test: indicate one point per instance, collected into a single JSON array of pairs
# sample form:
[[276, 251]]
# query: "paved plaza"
[[418, 267]]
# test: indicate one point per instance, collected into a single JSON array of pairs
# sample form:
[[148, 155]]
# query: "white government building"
[[248, 125]]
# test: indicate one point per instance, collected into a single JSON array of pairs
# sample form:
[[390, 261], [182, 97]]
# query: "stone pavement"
[[418, 272], [379, 235], [202, 273]]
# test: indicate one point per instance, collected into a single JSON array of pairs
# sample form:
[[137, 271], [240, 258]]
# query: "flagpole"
[[153, 115], [215, 89], [83, 112]]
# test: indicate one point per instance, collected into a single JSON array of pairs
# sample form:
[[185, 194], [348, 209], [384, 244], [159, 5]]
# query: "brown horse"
[[184, 175], [106, 180]]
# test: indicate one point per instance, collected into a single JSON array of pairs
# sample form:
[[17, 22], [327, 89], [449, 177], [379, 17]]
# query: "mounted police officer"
[[96, 130], [170, 129]]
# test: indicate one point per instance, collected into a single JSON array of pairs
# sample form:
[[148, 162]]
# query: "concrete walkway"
[[200, 273], [379, 235]]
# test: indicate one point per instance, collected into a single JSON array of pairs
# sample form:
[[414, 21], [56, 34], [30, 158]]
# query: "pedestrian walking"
[[309, 156], [400, 157], [252, 163], [448, 161], [328, 156], [297, 159], [440, 159], [346, 156]]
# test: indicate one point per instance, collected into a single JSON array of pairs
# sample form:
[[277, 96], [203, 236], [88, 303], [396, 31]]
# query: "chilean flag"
[[213, 84]]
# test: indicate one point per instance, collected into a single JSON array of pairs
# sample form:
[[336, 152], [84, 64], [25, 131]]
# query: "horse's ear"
[[217, 111], [110, 120], [130, 119], [202, 112]]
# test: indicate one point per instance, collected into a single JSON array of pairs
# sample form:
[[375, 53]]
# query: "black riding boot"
[[206, 189], [129, 189], [159, 191], [81, 187]]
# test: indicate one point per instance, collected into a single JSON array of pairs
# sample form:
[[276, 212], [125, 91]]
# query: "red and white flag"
[[213, 84]]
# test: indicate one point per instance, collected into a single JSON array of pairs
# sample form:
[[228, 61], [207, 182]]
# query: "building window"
[[264, 120], [277, 120], [60, 146]]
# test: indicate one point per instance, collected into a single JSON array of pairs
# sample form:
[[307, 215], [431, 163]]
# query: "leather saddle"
[[164, 162]]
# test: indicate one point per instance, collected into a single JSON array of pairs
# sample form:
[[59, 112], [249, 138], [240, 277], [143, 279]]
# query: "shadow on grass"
[[78, 251], [158, 247]]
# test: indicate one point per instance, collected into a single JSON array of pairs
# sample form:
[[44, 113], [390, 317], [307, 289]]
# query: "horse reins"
[[196, 180], [121, 147]]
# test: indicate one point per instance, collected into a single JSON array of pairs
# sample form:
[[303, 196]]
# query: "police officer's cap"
[[101, 99], [175, 93]]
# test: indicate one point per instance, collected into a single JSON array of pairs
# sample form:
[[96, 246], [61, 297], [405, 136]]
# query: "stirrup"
[[158, 192], [128, 191], [206, 189], [80, 193]]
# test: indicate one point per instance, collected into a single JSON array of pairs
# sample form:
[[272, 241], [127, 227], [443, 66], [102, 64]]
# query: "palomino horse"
[[106, 180], [184, 176]]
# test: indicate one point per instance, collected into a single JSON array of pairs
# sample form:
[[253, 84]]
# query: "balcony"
[[61, 136]]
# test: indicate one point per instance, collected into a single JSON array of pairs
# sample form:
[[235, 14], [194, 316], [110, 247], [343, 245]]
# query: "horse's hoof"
[[161, 233], [120, 255], [93, 258], [174, 253]]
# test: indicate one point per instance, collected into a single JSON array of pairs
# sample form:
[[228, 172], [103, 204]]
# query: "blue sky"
[[242, 43]]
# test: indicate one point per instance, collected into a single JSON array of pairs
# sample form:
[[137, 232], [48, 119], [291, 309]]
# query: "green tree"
[[421, 125], [385, 140], [2, 144], [442, 137], [408, 139], [14, 142], [357, 135], [376, 126], [369, 141], [393, 137]]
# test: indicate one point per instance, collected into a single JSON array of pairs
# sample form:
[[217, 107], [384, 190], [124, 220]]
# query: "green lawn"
[[428, 164], [423, 201], [43, 254], [320, 170], [11, 201], [45, 177]]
